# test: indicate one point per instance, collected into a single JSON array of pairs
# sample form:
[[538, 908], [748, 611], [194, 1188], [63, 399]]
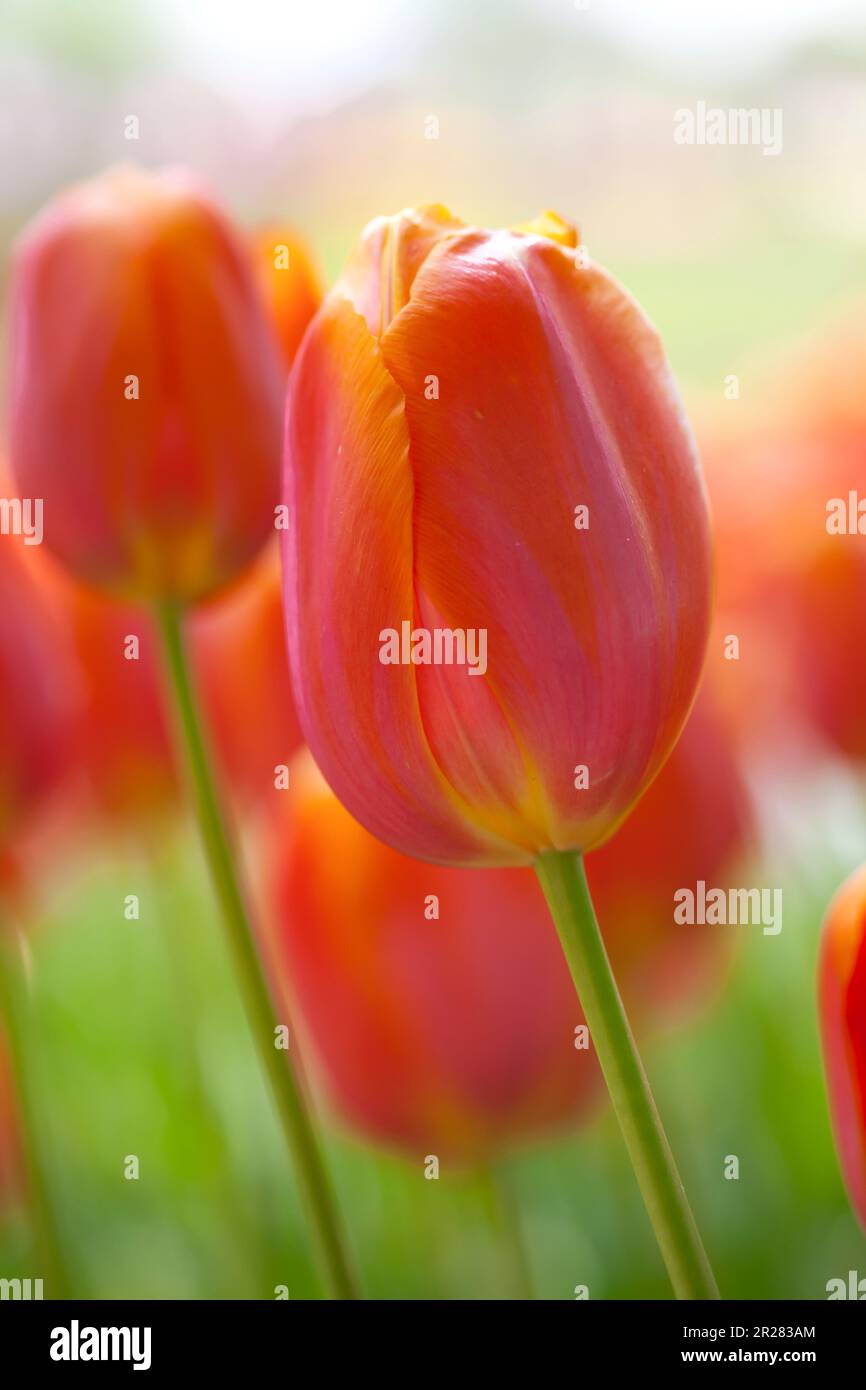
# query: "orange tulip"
[[498, 562], [125, 737], [290, 285], [435, 999], [37, 701], [842, 1012], [790, 564], [146, 387], [239, 648], [454, 1034], [692, 824]]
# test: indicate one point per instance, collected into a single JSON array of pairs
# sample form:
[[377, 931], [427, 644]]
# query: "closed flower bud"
[[146, 387], [498, 562]]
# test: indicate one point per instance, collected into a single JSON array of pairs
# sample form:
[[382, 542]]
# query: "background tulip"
[[842, 1011], [156, 453], [38, 697], [459, 395], [289, 282], [692, 824], [451, 1034], [124, 738], [146, 387], [422, 1042], [239, 649]]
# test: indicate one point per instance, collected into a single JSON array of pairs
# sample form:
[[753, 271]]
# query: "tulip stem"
[[563, 879], [291, 1105]]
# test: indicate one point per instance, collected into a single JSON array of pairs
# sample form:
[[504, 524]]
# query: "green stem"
[[563, 880], [291, 1105], [506, 1218], [15, 1002]]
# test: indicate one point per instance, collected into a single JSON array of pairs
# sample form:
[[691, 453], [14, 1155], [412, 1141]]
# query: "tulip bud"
[[498, 563], [146, 387], [436, 1000], [842, 1012]]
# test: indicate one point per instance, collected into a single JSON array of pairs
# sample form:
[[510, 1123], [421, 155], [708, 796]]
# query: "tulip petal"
[[349, 577], [552, 392]]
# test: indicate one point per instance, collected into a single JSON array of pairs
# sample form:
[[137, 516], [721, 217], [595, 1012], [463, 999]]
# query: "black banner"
[[157, 1338]]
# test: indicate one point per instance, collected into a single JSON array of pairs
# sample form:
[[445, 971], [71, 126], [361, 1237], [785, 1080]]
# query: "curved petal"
[[348, 561], [553, 392]]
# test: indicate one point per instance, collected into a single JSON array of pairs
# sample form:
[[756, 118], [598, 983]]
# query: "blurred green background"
[[140, 1047], [316, 114]]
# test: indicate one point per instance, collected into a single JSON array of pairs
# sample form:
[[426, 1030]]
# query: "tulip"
[[386, 965], [460, 394], [692, 824], [289, 283], [37, 699], [498, 582], [124, 741], [124, 734], [790, 558], [842, 1014], [146, 387], [239, 651], [407, 943]]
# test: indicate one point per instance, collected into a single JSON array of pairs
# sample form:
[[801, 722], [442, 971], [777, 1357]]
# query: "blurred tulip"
[[790, 587], [842, 1011], [457, 1033], [692, 824], [758, 532], [447, 1030], [827, 574], [461, 395], [146, 387], [239, 649], [37, 698], [125, 744], [289, 283]]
